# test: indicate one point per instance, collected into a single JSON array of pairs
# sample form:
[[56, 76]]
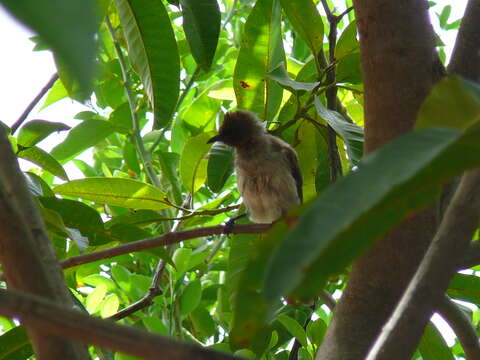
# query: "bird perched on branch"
[[268, 174]]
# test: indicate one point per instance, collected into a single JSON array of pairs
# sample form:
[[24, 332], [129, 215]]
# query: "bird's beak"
[[213, 139]]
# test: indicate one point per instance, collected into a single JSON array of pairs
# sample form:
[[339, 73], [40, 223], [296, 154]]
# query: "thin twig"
[[34, 102], [165, 239], [461, 326]]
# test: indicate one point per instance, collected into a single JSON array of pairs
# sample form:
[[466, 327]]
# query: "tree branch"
[[27, 255], [165, 239], [55, 319], [34, 102], [466, 52], [462, 327], [402, 332]]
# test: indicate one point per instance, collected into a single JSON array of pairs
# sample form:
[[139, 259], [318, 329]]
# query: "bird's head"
[[238, 128]]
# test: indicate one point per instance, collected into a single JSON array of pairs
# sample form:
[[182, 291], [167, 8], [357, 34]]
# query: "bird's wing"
[[295, 170]]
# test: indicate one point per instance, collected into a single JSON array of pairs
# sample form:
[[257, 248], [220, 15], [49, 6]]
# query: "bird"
[[267, 168]]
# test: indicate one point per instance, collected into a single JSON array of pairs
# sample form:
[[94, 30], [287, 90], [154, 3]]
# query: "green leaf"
[[347, 43], [280, 75], [465, 287], [390, 184], [181, 259], [203, 322], [316, 331], [193, 162], [306, 21], [190, 298], [201, 23], [307, 158], [94, 299], [220, 166], [44, 160], [453, 102], [116, 191], [36, 130], [153, 51], [432, 345], [53, 20], [109, 306], [294, 328], [350, 133], [56, 93], [444, 15], [79, 216], [14, 345], [81, 137], [260, 51], [37, 185]]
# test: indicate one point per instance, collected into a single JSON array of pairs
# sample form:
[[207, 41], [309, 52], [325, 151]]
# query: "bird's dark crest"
[[238, 127]]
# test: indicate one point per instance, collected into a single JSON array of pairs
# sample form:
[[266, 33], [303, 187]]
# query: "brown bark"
[[398, 68], [27, 256], [466, 56], [55, 319]]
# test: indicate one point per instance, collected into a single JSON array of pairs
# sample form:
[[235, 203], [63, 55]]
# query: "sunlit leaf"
[[193, 162], [261, 51], [44, 160], [115, 191], [153, 51]]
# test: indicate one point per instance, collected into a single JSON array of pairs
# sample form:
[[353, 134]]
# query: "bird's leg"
[[231, 223]]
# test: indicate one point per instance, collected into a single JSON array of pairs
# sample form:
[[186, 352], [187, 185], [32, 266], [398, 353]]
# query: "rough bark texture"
[[397, 63], [27, 256]]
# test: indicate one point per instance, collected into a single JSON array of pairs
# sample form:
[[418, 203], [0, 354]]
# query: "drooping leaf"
[[14, 345], [261, 51], [193, 162], [53, 20], [220, 166], [350, 133], [306, 21], [44, 160], [35, 131], [153, 51], [280, 75], [201, 23], [432, 345], [81, 137], [116, 191]]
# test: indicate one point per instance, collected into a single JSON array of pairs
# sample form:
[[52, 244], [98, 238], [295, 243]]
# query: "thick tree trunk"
[[397, 51], [27, 256]]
